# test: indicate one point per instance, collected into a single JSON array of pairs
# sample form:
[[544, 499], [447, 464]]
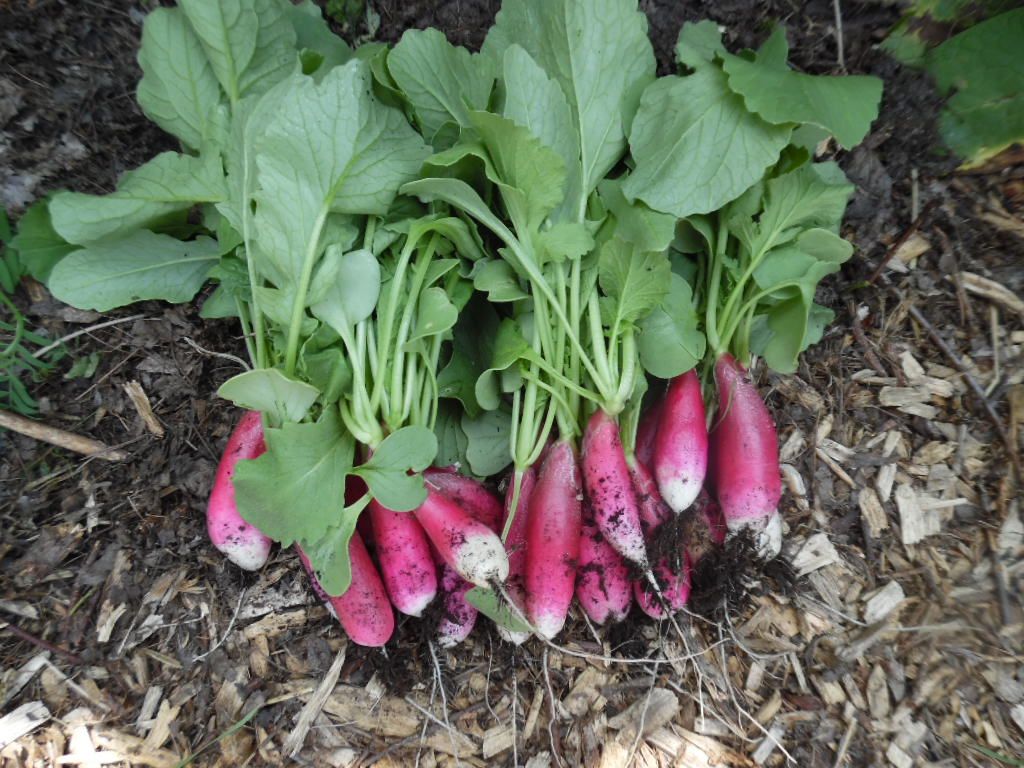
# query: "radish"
[[405, 561], [681, 445], [459, 616], [602, 580], [364, 611], [553, 533], [674, 580], [466, 544], [647, 433], [243, 543], [610, 489], [515, 544], [653, 509], [745, 455], [471, 495]]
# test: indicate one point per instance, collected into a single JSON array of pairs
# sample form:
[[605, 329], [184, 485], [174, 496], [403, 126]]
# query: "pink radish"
[[459, 616], [468, 493], [653, 509], [602, 579], [364, 611], [515, 544], [647, 433], [405, 561], [466, 544], [745, 454], [675, 588], [243, 543], [610, 489], [553, 530], [681, 445]]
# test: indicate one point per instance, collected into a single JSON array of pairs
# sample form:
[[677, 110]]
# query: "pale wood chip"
[[769, 744], [22, 721], [872, 511], [12, 685], [533, 713], [585, 692], [792, 447], [831, 691], [391, 717], [276, 623], [767, 711], [149, 704], [755, 675], [1017, 713], [934, 452], [1010, 541], [701, 751], [109, 615], [343, 757], [883, 602], [829, 586], [314, 705], [646, 714], [878, 693], [795, 485], [132, 750], [912, 400], [816, 553], [884, 481], [916, 523], [898, 757], [540, 760], [497, 740], [836, 469], [161, 730], [993, 291], [911, 368], [142, 405], [20, 608]]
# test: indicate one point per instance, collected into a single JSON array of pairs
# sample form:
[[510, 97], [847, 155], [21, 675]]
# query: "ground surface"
[[899, 642]]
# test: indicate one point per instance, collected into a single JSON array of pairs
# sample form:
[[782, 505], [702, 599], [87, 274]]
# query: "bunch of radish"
[[540, 269]]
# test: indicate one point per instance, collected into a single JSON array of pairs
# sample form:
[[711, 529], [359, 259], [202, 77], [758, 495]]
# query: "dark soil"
[[76, 535]]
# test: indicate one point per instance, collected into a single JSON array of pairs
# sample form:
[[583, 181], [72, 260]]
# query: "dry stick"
[[862, 339], [40, 352], [914, 226], [59, 437], [840, 55], [972, 383], [314, 706], [44, 644]]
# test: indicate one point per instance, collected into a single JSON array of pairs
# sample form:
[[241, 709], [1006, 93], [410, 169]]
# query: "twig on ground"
[[840, 47], [50, 347], [862, 339], [59, 437], [44, 644], [907, 233], [231, 625], [297, 736], [211, 353], [972, 383]]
